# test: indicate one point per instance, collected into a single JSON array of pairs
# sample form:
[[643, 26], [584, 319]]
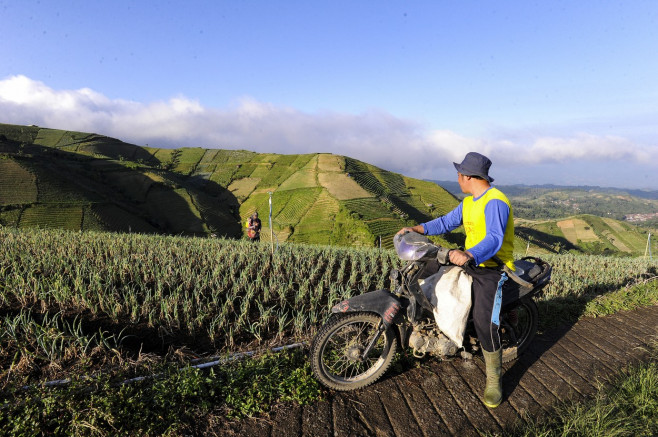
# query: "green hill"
[[53, 178]]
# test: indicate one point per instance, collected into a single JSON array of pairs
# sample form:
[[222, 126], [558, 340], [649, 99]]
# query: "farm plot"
[[232, 156], [117, 219], [91, 221], [577, 229], [22, 134], [100, 145], [223, 174], [261, 170], [369, 208], [288, 208], [258, 202], [305, 177], [385, 229], [342, 187], [209, 157], [64, 140], [298, 203], [52, 217], [412, 207], [330, 163], [242, 188], [624, 237], [321, 215], [440, 200], [176, 209], [49, 137], [362, 174], [281, 169], [204, 170], [191, 155], [56, 188], [393, 183], [219, 219], [166, 157], [614, 225], [244, 170], [187, 159], [10, 217], [132, 184], [266, 158], [616, 241], [17, 185]]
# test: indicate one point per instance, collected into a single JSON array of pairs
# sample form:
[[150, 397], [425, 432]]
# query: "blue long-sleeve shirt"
[[496, 213]]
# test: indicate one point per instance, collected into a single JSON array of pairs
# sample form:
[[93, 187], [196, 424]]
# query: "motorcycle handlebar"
[[443, 255]]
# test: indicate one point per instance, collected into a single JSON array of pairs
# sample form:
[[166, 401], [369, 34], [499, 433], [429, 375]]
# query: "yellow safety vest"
[[476, 226]]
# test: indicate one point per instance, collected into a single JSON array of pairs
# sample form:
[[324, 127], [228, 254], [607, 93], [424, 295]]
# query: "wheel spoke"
[[337, 357], [342, 355]]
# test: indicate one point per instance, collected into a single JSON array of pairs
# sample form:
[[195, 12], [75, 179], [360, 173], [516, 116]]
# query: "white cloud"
[[584, 146], [376, 137]]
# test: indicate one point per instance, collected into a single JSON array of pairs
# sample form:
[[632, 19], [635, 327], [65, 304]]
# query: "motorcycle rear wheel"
[[336, 351], [518, 331]]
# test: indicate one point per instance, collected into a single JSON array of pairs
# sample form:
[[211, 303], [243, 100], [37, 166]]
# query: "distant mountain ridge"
[[554, 201], [522, 189]]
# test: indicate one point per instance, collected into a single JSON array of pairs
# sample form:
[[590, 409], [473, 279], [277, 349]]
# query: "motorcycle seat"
[[527, 270]]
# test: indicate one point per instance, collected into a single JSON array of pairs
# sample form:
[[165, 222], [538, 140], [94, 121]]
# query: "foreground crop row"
[[70, 294]]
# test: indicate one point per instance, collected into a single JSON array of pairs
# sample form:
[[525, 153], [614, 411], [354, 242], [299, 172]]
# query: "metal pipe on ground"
[[217, 360]]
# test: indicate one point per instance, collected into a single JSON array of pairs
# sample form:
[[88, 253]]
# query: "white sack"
[[449, 292]]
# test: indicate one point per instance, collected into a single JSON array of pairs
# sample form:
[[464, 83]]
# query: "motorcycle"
[[356, 346]]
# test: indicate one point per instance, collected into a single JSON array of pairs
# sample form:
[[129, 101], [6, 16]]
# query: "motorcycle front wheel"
[[518, 328], [337, 351]]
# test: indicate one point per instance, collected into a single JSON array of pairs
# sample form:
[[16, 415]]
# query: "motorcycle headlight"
[[412, 246]]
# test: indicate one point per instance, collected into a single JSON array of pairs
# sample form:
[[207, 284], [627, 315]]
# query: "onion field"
[[72, 296]]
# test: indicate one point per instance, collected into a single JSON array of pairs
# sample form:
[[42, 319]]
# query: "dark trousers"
[[487, 301]]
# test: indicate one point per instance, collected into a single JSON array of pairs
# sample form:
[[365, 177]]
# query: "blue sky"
[[557, 92]]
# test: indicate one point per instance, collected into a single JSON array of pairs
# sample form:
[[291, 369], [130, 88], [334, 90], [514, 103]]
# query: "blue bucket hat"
[[475, 164]]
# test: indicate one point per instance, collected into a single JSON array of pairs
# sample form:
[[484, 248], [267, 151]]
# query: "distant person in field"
[[488, 221], [253, 227]]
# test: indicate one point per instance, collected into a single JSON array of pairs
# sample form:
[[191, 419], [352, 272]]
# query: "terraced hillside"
[[586, 234], [60, 179]]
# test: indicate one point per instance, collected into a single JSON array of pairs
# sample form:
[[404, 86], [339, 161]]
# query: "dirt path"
[[443, 397]]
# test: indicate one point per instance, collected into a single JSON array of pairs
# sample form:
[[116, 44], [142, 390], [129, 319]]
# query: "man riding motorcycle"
[[488, 221]]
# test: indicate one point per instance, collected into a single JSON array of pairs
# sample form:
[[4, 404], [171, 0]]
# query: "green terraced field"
[[10, 217], [52, 217], [17, 184], [117, 219], [369, 208]]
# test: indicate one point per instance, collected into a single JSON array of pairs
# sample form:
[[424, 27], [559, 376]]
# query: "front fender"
[[382, 302]]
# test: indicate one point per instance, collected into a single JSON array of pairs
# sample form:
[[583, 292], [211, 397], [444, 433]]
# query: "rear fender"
[[383, 302]]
